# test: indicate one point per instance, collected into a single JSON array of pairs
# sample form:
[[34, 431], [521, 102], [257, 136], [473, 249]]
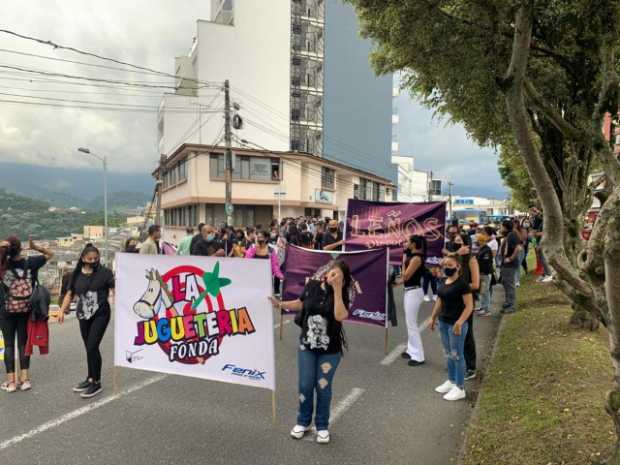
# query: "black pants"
[[92, 331], [15, 324], [429, 279], [470, 345]]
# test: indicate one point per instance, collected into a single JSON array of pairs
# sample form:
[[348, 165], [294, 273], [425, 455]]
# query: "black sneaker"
[[414, 363], [470, 374], [92, 391], [405, 355], [81, 387]]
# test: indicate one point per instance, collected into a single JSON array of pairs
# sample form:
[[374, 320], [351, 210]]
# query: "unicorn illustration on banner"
[[156, 294]]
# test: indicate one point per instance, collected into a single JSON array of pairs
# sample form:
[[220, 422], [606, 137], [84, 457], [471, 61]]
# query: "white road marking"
[[400, 348], [340, 408], [79, 412]]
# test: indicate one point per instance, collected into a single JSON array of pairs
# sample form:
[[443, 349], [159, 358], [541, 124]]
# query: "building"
[[266, 185], [66, 242], [479, 208], [299, 77], [93, 232], [135, 221], [413, 185]]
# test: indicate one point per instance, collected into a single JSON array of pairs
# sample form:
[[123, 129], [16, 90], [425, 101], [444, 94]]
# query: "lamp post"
[[104, 161]]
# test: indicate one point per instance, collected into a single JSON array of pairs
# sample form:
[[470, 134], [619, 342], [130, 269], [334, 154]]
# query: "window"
[[376, 192], [328, 178], [356, 191], [243, 168], [275, 169], [247, 168], [216, 165]]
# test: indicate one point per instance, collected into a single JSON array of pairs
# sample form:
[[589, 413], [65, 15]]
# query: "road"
[[385, 412]]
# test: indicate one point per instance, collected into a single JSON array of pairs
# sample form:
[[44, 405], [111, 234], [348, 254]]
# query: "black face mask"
[[449, 271], [333, 230]]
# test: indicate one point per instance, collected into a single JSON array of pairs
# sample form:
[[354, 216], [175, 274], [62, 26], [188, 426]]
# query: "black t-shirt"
[[451, 296], [320, 332], [318, 240], [537, 223], [195, 239], [92, 292], [485, 260], [207, 248], [328, 239], [416, 277], [509, 244]]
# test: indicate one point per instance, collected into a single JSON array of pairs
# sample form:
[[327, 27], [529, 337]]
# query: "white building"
[[413, 185], [300, 75]]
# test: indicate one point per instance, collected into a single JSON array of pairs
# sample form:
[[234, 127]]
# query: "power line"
[[100, 57]]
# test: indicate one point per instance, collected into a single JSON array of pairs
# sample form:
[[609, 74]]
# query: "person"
[[429, 279], [18, 276], [91, 283], [522, 233], [413, 266], [196, 237], [185, 243], [324, 304], [471, 274], [238, 248], [293, 235], [332, 238], [537, 231], [453, 307], [151, 245], [526, 239], [485, 265], [261, 250], [131, 246], [318, 235], [209, 244], [450, 246], [509, 250]]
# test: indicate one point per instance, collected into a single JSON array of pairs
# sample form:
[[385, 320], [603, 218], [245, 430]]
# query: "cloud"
[[445, 149], [144, 32]]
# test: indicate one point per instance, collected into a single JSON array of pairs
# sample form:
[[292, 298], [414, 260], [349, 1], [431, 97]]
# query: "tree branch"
[[550, 113]]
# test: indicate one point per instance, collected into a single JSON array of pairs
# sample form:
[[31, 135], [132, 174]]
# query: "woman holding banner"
[[413, 266], [323, 305]]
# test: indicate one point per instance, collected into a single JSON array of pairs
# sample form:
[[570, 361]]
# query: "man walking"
[[184, 245], [537, 228], [151, 245]]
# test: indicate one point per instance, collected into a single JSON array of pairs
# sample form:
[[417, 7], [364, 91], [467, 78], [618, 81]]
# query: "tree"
[[514, 174], [538, 75]]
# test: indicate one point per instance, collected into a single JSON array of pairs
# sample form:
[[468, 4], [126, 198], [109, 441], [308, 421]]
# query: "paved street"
[[385, 412]]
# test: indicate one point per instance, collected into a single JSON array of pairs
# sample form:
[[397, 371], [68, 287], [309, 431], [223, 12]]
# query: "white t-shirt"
[[493, 245]]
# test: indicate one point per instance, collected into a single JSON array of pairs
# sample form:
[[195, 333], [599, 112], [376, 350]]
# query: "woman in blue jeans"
[[324, 304], [453, 307]]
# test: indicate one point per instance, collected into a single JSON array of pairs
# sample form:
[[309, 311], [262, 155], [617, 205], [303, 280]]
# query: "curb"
[[476, 411]]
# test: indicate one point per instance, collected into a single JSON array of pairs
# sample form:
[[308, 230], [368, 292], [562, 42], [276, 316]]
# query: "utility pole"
[[228, 154], [450, 199], [430, 187]]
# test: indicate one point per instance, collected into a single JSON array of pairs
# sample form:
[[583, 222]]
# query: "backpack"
[[19, 291]]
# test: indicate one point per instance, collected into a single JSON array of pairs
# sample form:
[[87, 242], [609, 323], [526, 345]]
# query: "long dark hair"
[[78, 268], [420, 243], [346, 292], [9, 253]]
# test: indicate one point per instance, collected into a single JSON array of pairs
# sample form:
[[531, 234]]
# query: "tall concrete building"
[[300, 75]]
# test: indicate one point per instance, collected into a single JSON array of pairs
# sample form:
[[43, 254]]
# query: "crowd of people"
[[475, 259]]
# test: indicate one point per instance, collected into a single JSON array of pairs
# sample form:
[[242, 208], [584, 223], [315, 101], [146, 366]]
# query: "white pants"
[[413, 300]]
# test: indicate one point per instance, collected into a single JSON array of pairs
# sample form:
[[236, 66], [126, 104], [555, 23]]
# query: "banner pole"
[[281, 323], [273, 405]]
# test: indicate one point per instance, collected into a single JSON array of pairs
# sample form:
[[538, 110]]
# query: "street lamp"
[[105, 199]]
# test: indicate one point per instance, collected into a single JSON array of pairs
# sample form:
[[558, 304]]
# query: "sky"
[[149, 33]]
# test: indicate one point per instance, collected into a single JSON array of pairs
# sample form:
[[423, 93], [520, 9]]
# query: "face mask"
[[262, 241], [210, 237], [273, 235], [449, 271], [333, 230]]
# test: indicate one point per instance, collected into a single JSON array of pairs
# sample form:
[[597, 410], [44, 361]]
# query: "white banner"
[[203, 317]]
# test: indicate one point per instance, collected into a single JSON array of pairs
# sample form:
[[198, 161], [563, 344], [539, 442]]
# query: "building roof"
[[185, 148]]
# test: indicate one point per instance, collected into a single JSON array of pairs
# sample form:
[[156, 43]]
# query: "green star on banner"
[[213, 283]]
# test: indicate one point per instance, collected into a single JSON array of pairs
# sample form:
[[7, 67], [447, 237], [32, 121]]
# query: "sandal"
[[26, 385], [9, 386]]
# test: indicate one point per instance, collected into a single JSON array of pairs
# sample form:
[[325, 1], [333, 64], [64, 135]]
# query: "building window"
[[216, 165], [275, 169], [247, 168], [328, 178], [356, 191]]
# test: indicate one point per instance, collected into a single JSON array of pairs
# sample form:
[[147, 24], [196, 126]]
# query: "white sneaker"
[[517, 284], [322, 437], [427, 298], [456, 393], [445, 387], [434, 297], [547, 279], [299, 431]]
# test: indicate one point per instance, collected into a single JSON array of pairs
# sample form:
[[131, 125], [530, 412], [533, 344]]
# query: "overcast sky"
[[149, 33]]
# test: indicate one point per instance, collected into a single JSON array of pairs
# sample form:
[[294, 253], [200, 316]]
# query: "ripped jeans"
[[316, 373], [453, 347]]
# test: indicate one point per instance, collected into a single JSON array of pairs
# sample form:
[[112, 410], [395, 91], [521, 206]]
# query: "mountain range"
[[75, 187]]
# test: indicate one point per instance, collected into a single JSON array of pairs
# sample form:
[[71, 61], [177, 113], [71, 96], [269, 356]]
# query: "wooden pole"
[[281, 324], [273, 405]]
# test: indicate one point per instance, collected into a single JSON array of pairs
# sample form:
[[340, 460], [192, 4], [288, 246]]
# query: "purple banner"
[[368, 269], [389, 224]]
